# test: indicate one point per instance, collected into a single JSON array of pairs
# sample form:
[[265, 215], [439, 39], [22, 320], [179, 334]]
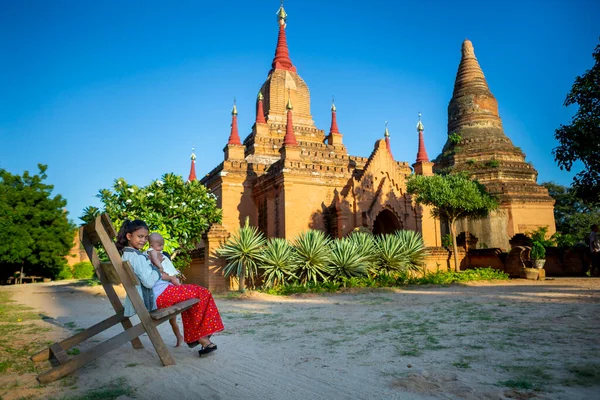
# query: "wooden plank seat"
[[101, 232]]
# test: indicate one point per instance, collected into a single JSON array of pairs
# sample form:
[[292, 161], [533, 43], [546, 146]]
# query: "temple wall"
[[236, 200], [526, 217], [492, 231]]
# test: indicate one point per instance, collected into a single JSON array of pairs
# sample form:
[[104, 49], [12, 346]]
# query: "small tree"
[[452, 197], [580, 140], [35, 234], [180, 211]]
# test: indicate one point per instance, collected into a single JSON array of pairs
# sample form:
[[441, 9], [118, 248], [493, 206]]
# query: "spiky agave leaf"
[[390, 257], [312, 251], [366, 247], [278, 262], [346, 260], [413, 248], [243, 253]]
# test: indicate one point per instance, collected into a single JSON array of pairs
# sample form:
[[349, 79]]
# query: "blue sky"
[[101, 90]]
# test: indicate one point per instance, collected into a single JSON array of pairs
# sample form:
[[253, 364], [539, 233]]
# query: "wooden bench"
[[101, 231]]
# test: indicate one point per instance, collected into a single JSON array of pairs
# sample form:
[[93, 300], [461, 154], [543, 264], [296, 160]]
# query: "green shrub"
[[403, 250], [65, 273], [365, 241], [243, 254], [447, 241], [83, 270], [312, 250], [492, 164], [346, 260], [538, 252], [278, 262], [454, 138]]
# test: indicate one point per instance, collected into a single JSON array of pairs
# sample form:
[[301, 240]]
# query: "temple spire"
[[192, 176], [469, 78], [260, 112], [289, 138], [234, 137], [282, 55], [386, 134], [334, 127], [421, 153]]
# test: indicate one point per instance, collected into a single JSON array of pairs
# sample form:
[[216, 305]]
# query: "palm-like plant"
[[346, 260], [243, 254], [403, 250], [365, 242], [278, 262], [414, 248], [312, 251]]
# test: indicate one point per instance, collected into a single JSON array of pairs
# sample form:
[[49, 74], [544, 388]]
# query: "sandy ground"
[[518, 339]]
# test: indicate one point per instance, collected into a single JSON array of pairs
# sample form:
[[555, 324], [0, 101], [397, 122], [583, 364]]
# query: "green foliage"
[[471, 161], [180, 211], [346, 259], [454, 138], [447, 241], [538, 252], [243, 253], [278, 263], [385, 281], [398, 252], [365, 241], [313, 252], [83, 270], [65, 273], [539, 235], [492, 164], [580, 141], [34, 230], [573, 216], [452, 196]]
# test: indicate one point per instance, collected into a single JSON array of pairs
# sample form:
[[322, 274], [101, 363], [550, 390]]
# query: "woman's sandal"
[[208, 349], [197, 343]]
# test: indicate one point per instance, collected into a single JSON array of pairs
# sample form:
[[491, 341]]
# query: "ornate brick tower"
[[477, 144]]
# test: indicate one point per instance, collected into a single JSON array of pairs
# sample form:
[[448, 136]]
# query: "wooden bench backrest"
[[102, 232]]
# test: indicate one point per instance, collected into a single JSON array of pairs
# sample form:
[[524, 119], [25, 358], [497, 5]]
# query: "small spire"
[[386, 134], [234, 137], [420, 127], [334, 127], [290, 138], [192, 176], [281, 14], [260, 112], [234, 109], [289, 104], [421, 152]]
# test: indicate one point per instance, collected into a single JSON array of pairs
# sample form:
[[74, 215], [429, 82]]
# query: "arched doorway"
[[386, 222]]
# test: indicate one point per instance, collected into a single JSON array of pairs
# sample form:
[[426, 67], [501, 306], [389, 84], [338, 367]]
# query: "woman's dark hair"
[[128, 227]]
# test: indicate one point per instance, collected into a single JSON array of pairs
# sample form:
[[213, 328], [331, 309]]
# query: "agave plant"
[[312, 251], [414, 248], [365, 242], [243, 254], [346, 260], [401, 251], [278, 262]]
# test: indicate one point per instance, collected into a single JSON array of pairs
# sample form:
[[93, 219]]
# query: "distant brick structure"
[[488, 154]]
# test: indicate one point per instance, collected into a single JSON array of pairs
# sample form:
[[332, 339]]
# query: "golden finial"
[[333, 104], [193, 156], [289, 104], [234, 110], [386, 133], [420, 127], [260, 96], [281, 14]]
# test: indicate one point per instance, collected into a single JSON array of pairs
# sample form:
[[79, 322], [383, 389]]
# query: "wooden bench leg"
[[88, 333], [159, 345], [83, 358]]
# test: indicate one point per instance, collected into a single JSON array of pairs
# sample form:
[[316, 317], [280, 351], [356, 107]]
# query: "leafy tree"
[[180, 211], [581, 139], [452, 197], [573, 216], [35, 234]]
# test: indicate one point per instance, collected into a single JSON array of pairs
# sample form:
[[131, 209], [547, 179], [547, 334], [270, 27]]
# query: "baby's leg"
[[176, 331]]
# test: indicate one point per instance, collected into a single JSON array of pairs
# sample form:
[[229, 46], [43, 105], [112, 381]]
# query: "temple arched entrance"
[[386, 222]]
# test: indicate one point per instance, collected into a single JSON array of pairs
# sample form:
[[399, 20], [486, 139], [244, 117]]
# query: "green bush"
[[65, 273], [83, 270], [538, 252], [278, 262], [346, 260], [312, 250]]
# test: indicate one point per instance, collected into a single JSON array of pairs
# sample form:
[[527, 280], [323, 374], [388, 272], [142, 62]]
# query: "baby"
[[155, 252]]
